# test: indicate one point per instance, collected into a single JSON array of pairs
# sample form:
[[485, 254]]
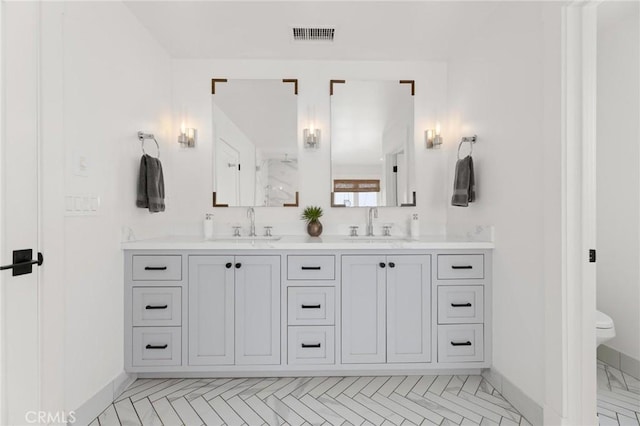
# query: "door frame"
[[3, 410], [578, 280], [4, 413]]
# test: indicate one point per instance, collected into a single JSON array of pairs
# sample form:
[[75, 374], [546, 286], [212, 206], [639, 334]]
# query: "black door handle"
[[461, 305], [22, 262], [314, 345], [467, 343], [461, 267], [382, 264], [228, 265], [155, 268], [311, 268], [238, 265], [156, 307], [165, 346], [318, 306], [392, 265]]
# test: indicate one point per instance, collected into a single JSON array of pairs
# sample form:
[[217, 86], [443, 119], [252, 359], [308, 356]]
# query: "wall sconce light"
[[187, 137], [433, 138], [311, 138]]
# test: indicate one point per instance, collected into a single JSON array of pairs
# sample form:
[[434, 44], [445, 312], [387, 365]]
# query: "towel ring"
[[142, 136], [471, 140]]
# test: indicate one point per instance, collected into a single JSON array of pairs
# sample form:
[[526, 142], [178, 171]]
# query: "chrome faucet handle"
[[236, 231], [353, 231], [267, 231], [386, 230]]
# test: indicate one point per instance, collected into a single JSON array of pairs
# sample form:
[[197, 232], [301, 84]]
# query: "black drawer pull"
[[392, 265], [165, 346], [311, 268], [156, 306], [318, 306], [461, 267], [313, 345], [228, 265], [382, 264], [461, 305], [155, 268], [238, 265], [467, 343]]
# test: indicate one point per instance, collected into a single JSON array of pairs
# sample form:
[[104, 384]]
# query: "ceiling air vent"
[[313, 34]]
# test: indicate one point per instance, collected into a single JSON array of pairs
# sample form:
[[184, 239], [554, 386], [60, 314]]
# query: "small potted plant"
[[311, 215]]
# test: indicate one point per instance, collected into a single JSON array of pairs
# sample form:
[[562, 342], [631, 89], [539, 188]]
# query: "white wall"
[[106, 78], [618, 178], [192, 91], [498, 92]]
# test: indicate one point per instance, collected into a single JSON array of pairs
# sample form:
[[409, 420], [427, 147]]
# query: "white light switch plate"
[[82, 205]]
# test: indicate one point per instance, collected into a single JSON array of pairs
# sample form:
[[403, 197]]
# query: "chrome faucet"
[[373, 212], [251, 214]]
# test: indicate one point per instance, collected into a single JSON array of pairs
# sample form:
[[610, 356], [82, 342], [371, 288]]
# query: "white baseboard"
[[521, 401], [95, 405], [622, 362]]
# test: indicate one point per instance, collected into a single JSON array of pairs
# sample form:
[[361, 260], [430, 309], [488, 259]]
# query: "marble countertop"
[[303, 242]]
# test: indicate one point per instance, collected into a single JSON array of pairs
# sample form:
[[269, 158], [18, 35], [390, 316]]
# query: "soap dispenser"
[[208, 226], [415, 227]]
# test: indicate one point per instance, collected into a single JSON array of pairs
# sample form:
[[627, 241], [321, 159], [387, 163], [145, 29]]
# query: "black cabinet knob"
[[238, 265], [228, 265], [392, 265], [382, 264]]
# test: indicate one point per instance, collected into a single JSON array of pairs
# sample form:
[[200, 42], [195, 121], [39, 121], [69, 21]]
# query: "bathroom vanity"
[[300, 306]]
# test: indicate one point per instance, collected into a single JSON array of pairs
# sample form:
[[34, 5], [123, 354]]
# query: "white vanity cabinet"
[[234, 310], [244, 309], [462, 288], [386, 305]]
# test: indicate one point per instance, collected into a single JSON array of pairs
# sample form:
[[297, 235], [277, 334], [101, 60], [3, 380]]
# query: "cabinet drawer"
[[460, 266], [460, 343], [157, 268], [311, 306], [155, 346], [311, 267], [459, 304], [157, 306], [311, 345]]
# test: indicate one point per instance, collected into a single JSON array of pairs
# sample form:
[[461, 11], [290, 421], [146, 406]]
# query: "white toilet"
[[605, 330]]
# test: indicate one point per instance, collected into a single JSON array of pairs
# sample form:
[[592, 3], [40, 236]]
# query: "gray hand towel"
[[464, 184], [150, 185]]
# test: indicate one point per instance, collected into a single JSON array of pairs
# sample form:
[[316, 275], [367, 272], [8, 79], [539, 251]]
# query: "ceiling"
[[365, 30], [254, 106], [365, 116]]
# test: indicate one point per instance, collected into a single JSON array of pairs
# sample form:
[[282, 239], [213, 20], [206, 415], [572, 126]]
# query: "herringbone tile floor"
[[618, 397], [380, 401]]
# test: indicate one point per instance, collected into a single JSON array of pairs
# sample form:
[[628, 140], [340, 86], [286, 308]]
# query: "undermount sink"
[[246, 239], [376, 239]]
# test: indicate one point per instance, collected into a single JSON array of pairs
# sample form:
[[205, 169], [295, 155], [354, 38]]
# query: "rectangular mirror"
[[372, 144], [255, 154]]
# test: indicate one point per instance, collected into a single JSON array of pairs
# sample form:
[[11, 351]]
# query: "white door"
[[257, 310], [19, 210], [227, 174], [363, 309], [408, 308], [211, 295]]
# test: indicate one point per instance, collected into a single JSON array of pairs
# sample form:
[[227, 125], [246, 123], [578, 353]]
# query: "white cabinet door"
[[211, 296], [257, 310], [408, 308], [363, 309]]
